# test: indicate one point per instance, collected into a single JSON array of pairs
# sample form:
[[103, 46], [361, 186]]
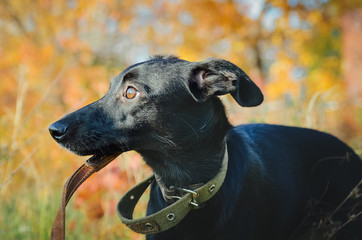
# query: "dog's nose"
[[58, 130]]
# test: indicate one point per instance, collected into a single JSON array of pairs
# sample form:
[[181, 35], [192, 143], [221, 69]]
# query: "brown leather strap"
[[92, 165]]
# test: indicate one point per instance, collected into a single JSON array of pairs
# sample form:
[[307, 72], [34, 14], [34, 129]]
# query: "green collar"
[[174, 213]]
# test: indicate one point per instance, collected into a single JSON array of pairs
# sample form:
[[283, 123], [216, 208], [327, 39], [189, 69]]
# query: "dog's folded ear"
[[218, 77]]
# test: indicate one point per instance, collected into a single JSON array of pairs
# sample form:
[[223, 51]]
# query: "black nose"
[[58, 130]]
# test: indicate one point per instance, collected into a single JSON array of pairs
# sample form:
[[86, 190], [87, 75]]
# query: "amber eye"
[[131, 93]]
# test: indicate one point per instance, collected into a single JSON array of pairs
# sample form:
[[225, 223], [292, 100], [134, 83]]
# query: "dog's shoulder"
[[275, 141], [280, 134]]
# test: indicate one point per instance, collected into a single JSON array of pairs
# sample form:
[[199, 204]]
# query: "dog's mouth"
[[85, 141], [98, 157], [98, 151]]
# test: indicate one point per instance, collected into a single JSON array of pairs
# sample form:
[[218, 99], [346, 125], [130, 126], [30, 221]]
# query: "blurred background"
[[58, 55]]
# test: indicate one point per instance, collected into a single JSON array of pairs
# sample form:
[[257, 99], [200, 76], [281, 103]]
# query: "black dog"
[[281, 183]]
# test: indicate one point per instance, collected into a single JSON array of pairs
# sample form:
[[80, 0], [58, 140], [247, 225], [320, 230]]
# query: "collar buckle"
[[194, 201]]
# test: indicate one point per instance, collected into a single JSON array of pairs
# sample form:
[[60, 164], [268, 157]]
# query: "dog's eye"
[[131, 93]]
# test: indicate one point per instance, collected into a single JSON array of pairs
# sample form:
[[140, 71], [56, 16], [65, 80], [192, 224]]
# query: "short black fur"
[[282, 182]]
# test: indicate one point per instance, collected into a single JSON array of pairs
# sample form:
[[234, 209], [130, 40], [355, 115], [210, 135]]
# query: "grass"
[[28, 210], [27, 217]]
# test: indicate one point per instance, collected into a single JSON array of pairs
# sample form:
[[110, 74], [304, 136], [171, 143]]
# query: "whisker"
[[166, 140]]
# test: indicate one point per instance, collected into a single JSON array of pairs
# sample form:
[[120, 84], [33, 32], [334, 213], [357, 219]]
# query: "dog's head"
[[149, 103]]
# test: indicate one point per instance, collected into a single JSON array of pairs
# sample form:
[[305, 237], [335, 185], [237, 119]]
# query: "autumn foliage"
[[56, 56]]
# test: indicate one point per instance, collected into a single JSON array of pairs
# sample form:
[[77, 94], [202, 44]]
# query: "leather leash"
[[157, 222], [170, 216], [92, 165]]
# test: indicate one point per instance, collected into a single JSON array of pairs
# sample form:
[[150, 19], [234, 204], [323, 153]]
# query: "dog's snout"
[[58, 130]]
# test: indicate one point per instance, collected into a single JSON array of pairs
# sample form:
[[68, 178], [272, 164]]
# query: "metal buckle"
[[194, 195]]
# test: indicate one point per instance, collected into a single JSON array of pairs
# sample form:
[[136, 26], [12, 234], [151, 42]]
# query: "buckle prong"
[[194, 194]]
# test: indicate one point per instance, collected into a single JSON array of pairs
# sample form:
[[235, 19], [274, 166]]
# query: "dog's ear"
[[218, 77]]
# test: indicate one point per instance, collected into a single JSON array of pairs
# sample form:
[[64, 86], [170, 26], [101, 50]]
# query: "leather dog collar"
[[174, 213]]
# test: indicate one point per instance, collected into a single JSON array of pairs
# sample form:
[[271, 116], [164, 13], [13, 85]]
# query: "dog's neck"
[[197, 166], [192, 167], [193, 161]]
